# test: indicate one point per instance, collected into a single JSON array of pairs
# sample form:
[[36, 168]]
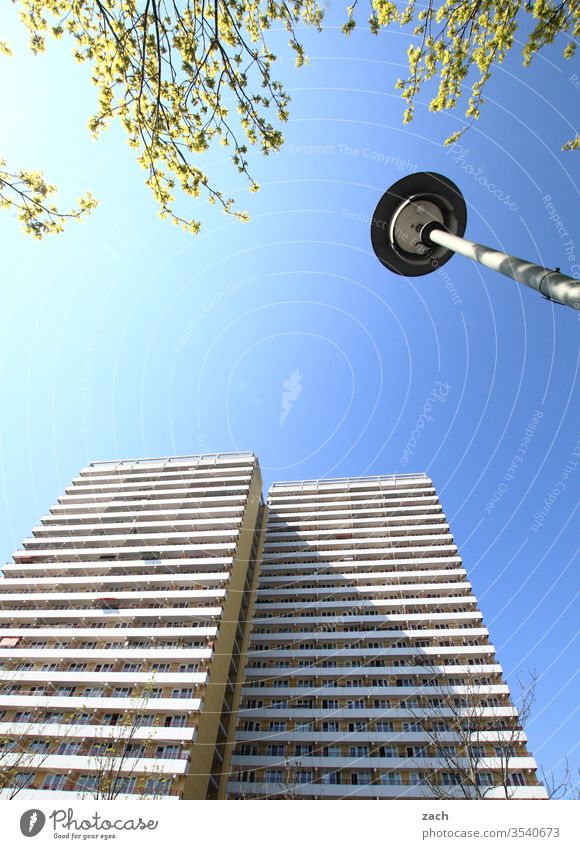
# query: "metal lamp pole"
[[419, 224]]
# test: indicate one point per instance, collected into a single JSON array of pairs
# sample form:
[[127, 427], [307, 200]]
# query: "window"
[[331, 752], [484, 779], [330, 704], [303, 749], [157, 786], [273, 776], [416, 778], [275, 751], [450, 778], [358, 751], [274, 726], [167, 751], [388, 752], [69, 749], [330, 778], [125, 784], [87, 783], [360, 777], [183, 693], [303, 776], [516, 779], [53, 782], [382, 704], [23, 779], [177, 721]]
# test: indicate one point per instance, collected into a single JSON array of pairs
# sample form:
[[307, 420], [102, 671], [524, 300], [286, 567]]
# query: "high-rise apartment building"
[[121, 631], [370, 673], [162, 634]]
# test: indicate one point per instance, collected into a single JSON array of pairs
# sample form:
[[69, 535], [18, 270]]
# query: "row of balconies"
[[354, 671], [104, 505], [121, 703], [115, 583], [157, 652], [205, 497], [160, 477], [354, 594], [438, 570], [99, 528], [363, 534], [113, 564], [52, 677], [356, 606], [148, 513], [110, 614], [137, 595], [389, 786], [64, 553], [71, 731], [344, 541], [377, 650], [382, 556], [320, 500]]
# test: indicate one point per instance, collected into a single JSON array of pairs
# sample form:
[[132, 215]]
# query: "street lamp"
[[419, 224]]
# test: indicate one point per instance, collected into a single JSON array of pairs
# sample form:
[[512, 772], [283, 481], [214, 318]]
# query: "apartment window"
[[39, 746], [87, 783], [382, 704], [125, 784], [274, 726], [303, 776], [177, 721], [358, 751], [412, 726], [23, 779], [273, 776], [446, 751], [516, 779], [330, 778], [275, 751], [121, 692], [330, 726], [391, 778], [416, 778], [303, 726], [330, 704], [189, 667], [53, 782], [388, 752], [128, 667], [484, 779], [478, 751], [183, 693], [69, 749], [385, 726], [161, 667], [357, 726], [157, 786], [168, 751], [303, 749], [331, 751], [450, 778], [360, 777]]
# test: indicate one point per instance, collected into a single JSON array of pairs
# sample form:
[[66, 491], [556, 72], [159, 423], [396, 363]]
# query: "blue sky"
[[125, 337]]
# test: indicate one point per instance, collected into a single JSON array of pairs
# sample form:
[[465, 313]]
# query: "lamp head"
[[405, 215]]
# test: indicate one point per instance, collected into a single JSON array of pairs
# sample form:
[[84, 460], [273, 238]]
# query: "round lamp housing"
[[407, 213]]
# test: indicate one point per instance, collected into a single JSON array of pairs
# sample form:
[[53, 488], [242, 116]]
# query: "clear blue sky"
[[125, 337]]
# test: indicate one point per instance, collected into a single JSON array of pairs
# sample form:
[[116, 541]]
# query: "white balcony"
[[107, 615], [89, 703], [53, 677], [77, 653], [139, 580], [44, 730], [120, 595], [107, 634]]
